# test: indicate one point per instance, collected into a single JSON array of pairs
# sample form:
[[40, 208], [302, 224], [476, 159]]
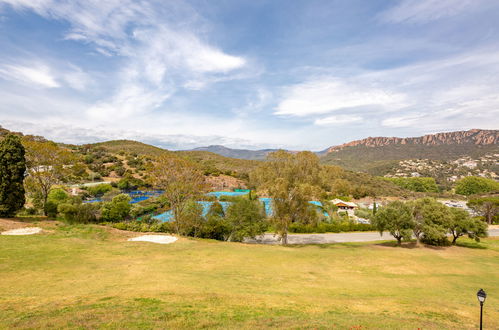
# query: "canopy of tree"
[[416, 184], [12, 170], [472, 185]]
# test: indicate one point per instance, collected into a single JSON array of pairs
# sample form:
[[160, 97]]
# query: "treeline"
[[417, 184], [428, 221]]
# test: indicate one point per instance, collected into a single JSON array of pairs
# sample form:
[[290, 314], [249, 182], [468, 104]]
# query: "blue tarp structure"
[[267, 203], [219, 194], [136, 196], [168, 215]]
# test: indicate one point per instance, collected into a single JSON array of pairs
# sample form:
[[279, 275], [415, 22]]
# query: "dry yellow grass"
[[89, 276]]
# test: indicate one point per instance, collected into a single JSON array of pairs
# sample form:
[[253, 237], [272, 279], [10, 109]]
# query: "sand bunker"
[[23, 231], [160, 239]]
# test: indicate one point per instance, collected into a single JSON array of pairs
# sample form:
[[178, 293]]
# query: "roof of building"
[[337, 201]]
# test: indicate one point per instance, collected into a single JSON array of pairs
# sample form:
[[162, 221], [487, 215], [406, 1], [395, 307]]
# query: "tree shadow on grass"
[[471, 245], [404, 245], [392, 244]]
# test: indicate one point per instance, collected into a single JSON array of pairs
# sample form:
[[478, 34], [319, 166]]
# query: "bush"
[[144, 227], [329, 227], [78, 213], [245, 218], [475, 185], [99, 189], [216, 227], [51, 209], [116, 210], [416, 184]]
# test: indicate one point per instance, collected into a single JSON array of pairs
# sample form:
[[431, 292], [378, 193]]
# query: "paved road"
[[335, 238]]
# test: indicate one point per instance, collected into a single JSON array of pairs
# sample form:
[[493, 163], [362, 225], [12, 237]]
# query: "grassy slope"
[[211, 160], [130, 146], [91, 277]]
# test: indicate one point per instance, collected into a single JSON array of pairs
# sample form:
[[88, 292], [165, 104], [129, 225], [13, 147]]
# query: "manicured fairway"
[[89, 276]]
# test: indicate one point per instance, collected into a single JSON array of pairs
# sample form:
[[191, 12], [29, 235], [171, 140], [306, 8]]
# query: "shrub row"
[[324, 227]]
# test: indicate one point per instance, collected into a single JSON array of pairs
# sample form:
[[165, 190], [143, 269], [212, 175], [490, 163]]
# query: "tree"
[[291, 180], [181, 181], [118, 209], [471, 185], [192, 219], [48, 164], [245, 219], [420, 184], [461, 224], [216, 209], [55, 198], [12, 170], [396, 218], [431, 220], [488, 207]]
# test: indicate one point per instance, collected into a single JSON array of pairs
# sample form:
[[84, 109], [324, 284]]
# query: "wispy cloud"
[[160, 55], [337, 120], [37, 74], [422, 11], [327, 94]]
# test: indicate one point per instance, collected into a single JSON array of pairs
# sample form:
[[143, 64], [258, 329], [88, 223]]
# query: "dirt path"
[[338, 237]]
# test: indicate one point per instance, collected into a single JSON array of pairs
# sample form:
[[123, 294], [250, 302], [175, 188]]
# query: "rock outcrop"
[[471, 137]]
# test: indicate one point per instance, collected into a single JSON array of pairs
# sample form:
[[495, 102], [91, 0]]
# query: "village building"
[[349, 207]]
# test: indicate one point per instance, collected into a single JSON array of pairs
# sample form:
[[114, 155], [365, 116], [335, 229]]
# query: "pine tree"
[[12, 170]]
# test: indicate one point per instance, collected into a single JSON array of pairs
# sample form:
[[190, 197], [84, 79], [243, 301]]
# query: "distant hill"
[[379, 155], [128, 146], [210, 162], [236, 153]]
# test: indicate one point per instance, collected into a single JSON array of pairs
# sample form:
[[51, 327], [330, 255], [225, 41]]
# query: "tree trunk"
[[45, 198], [454, 240], [399, 240], [176, 219], [418, 240], [284, 238]]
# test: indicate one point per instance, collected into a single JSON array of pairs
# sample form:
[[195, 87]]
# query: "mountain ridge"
[[473, 136], [236, 153]]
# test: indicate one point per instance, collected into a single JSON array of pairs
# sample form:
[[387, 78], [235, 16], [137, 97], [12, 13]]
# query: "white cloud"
[[401, 121], [162, 48], [328, 94], [37, 74], [421, 11], [337, 120]]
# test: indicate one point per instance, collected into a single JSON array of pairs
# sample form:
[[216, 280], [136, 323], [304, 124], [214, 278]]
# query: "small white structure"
[[159, 239], [23, 231], [349, 207]]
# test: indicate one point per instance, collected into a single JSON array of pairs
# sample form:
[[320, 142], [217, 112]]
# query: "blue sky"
[[253, 74]]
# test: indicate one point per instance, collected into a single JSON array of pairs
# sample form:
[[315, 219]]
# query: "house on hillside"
[[349, 207]]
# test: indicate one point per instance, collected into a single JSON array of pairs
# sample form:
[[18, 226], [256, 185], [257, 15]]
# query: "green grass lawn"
[[91, 277]]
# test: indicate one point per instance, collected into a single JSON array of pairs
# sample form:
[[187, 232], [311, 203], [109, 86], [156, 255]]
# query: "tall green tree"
[[291, 180], [431, 220], [396, 218], [12, 170]]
